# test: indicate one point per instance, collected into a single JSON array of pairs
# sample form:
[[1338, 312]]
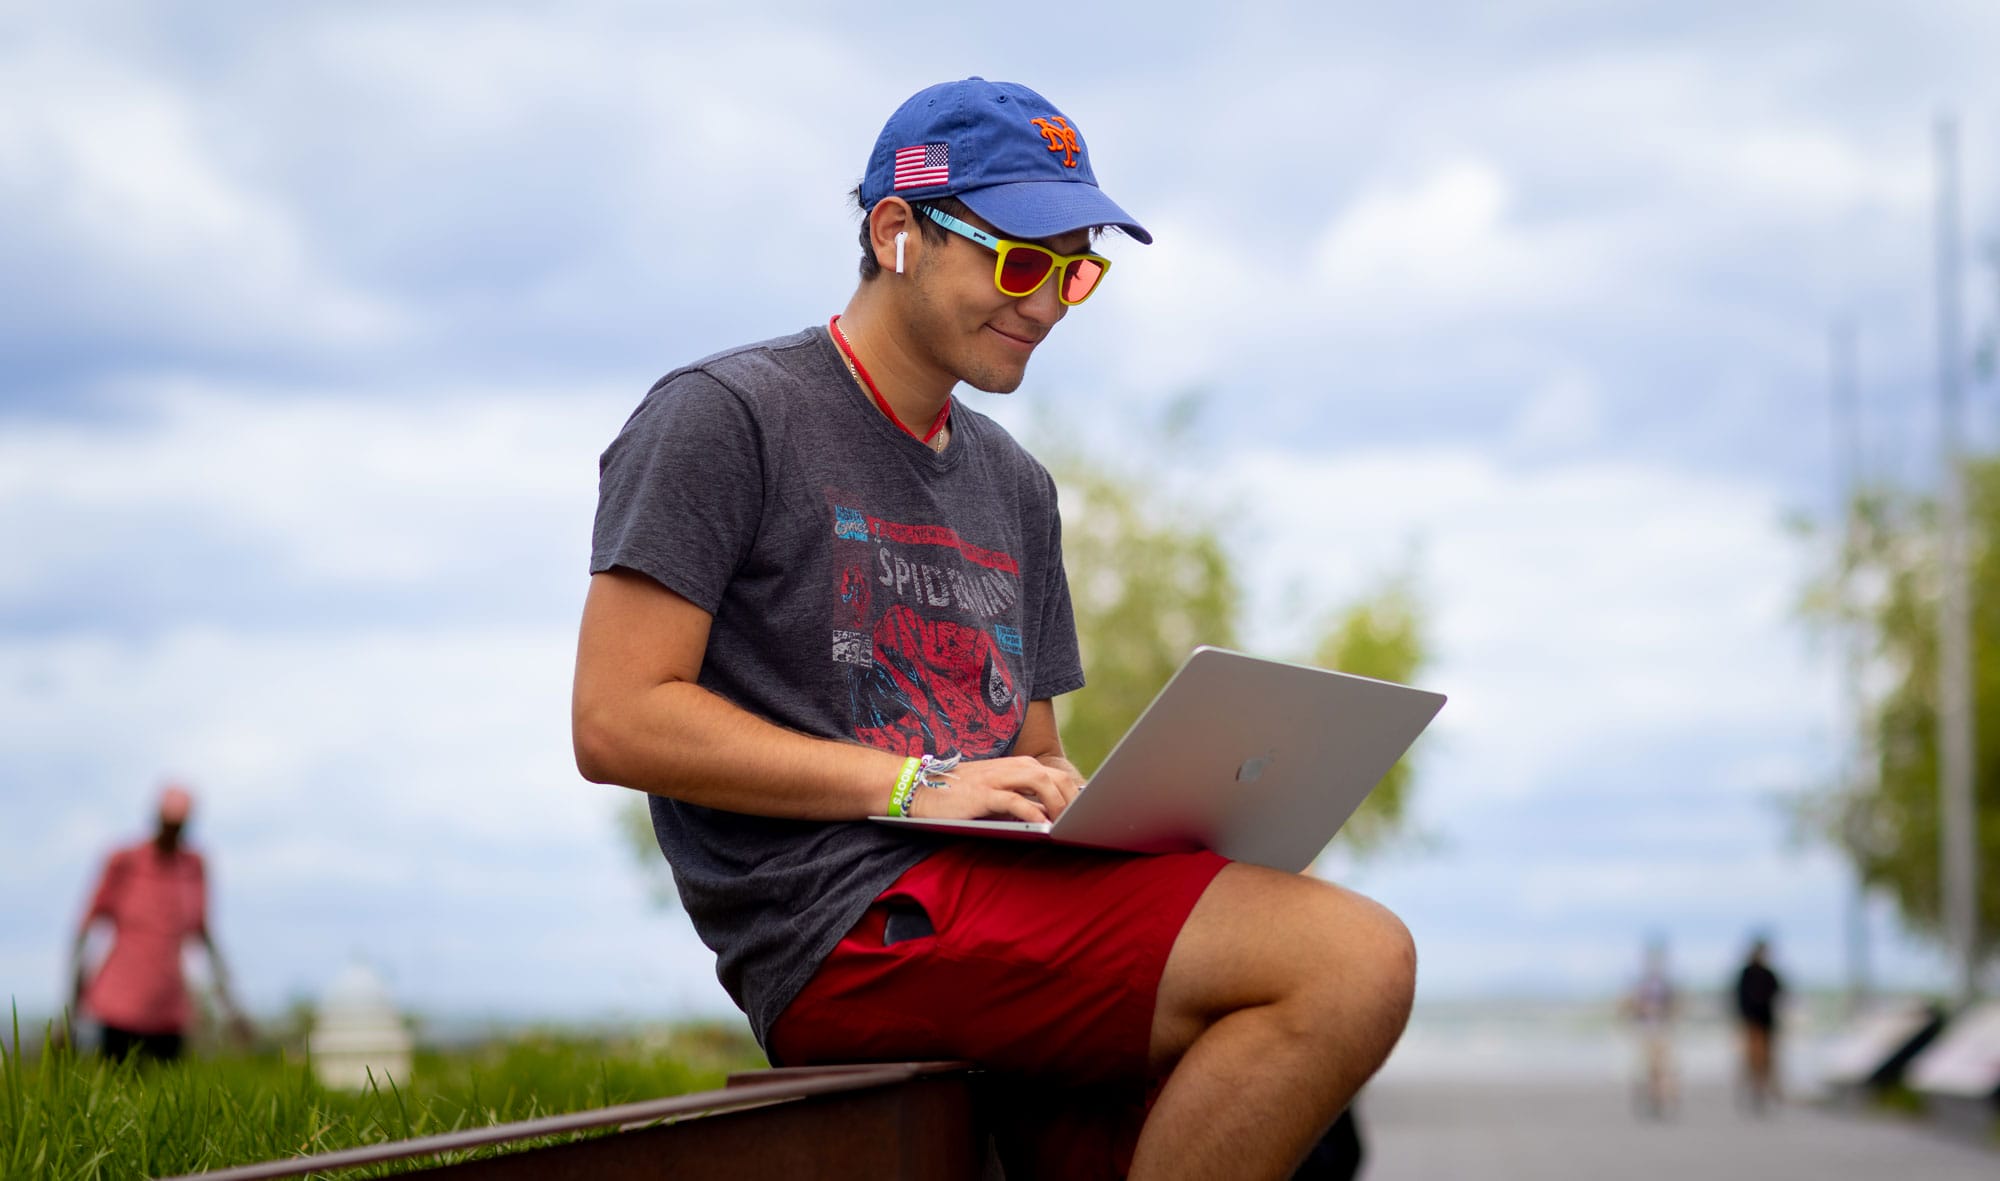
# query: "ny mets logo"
[[1061, 137]]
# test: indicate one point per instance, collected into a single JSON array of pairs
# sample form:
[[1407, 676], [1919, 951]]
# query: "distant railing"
[[893, 1120]]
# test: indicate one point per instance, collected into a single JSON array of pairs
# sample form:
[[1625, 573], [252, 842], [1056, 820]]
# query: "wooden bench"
[[891, 1120]]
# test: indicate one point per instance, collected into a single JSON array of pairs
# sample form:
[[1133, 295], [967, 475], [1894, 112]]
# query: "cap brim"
[[1046, 208]]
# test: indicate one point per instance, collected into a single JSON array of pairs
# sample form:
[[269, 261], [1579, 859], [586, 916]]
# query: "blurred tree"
[[1150, 578], [1148, 581], [1887, 824], [1380, 636]]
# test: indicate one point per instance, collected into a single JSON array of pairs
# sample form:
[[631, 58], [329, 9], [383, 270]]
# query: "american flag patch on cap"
[[922, 166]]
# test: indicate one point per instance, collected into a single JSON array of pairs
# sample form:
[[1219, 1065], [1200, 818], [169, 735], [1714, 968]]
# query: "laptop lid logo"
[[1254, 767]]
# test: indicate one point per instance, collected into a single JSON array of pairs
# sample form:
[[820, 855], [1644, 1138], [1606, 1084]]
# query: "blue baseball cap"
[[1003, 150]]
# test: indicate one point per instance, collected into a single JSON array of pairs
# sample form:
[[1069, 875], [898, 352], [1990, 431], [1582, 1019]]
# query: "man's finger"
[[1043, 783], [1032, 812], [1020, 807]]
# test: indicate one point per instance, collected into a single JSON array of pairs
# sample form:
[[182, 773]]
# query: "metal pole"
[[1956, 739], [1974, 855], [1854, 754]]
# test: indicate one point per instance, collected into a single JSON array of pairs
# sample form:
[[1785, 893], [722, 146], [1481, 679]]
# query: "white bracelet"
[[935, 772]]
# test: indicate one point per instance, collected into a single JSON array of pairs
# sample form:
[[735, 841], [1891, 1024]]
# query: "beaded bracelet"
[[906, 786], [934, 772]]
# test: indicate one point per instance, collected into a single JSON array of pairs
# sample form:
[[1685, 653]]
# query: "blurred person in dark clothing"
[[1757, 991], [154, 896]]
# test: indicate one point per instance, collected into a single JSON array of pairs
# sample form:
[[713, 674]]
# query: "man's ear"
[[892, 216]]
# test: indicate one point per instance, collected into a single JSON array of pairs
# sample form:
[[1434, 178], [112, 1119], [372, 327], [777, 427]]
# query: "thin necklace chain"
[[935, 442], [940, 433]]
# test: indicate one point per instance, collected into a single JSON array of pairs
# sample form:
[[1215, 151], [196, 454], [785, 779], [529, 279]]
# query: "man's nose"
[[1041, 306]]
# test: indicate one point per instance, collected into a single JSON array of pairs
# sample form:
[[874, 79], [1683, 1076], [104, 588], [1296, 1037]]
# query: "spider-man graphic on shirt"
[[926, 626]]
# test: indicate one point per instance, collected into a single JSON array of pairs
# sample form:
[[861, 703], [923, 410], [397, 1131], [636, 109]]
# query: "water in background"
[[1580, 1041]]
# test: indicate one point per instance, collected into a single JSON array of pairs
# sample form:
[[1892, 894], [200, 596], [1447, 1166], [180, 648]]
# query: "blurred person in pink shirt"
[[153, 894]]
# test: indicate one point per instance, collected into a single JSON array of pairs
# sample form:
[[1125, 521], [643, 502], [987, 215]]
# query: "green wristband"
[[906, 784]]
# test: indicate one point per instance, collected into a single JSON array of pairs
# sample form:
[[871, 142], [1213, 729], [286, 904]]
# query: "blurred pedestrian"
[[1650, 1006], [1758, 989], [153, 895]]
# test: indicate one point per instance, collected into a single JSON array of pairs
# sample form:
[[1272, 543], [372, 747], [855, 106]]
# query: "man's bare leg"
[[1282, 995]]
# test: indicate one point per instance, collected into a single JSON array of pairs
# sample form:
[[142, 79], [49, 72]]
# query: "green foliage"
[[1381, 636], [1889, 825], [68, 1116], [1150, 578], [1148, 581]]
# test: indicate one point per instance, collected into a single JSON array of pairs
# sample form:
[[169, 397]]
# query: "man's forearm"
[[78, 977], [639, 717], [683, 741], [217, 970]]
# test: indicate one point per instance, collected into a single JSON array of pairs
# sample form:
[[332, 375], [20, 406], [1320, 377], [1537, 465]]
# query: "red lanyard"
[[847, 350]]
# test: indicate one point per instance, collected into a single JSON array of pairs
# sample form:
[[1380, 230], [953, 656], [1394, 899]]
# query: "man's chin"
[[997, 382]]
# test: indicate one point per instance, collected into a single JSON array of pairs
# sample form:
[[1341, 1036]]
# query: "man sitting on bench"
[[823, 588]]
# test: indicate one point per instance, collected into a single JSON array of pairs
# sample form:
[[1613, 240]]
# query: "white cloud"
[[1753, 887], [403, 489], [1703, 128], [1650, 215], [1564, 414], [1592, 602], [1435, 228], [121, 176], [1445, 244], [420, 752], [467, 727]]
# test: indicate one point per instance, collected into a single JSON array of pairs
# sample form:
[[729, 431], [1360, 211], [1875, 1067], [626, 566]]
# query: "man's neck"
[[915, 390]]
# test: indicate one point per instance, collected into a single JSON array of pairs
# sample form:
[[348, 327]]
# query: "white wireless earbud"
[[901, 237]]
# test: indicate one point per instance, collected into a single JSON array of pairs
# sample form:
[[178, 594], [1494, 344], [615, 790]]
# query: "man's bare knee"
[[1336, 968], [1381, 982], [1358, 975], [1392, 956]]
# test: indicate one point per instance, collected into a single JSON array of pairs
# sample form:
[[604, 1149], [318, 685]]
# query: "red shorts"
[[1045, 962]]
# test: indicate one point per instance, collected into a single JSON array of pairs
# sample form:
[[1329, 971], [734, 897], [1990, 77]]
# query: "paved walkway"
[[1426, 1131]]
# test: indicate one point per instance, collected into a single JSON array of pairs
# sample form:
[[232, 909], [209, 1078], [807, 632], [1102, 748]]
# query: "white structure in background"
[[359, 1034], [1875, 1049], [1959, 1074]]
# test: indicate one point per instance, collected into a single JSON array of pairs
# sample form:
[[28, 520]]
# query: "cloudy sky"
[[319, 314]]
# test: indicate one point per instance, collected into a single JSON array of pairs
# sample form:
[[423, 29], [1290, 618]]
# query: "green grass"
[[64, 1115]]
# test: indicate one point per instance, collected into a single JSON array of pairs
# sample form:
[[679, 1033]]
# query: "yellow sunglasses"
[[1023, 267]]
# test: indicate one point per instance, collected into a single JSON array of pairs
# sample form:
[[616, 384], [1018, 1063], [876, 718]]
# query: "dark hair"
[[931, 230]]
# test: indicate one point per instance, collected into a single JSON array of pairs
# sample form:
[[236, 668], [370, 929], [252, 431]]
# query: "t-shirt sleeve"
[[1059, 668], [680, 490], [104, 900]]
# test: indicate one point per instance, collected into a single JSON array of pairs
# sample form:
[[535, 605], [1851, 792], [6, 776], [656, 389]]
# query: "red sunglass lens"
[[1079, 278], [1023, 270]]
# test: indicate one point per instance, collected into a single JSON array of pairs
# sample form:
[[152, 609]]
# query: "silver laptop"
[[1258, 760]]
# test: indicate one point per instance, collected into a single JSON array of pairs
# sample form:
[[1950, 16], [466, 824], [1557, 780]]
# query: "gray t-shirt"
[[864, 589]]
